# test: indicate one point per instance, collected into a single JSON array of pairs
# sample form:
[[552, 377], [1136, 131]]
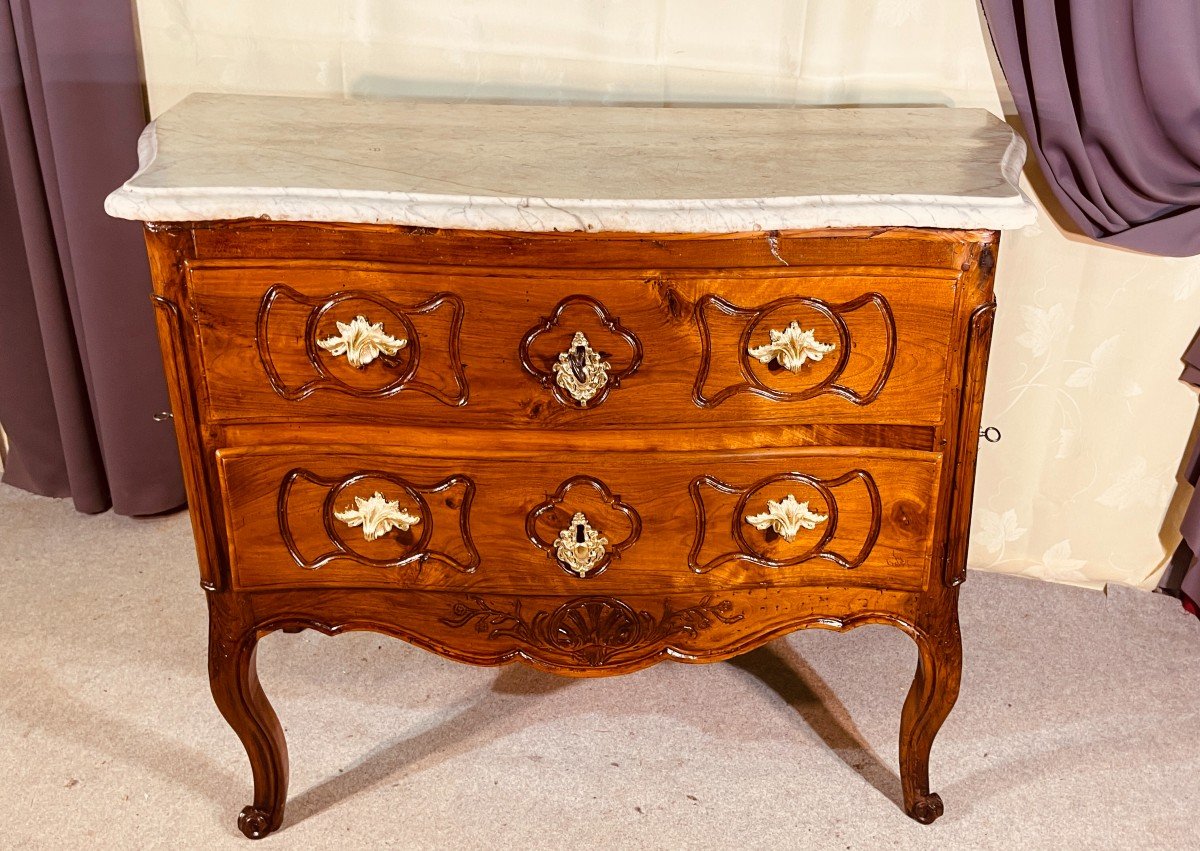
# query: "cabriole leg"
[[233, 677], [934, 690]]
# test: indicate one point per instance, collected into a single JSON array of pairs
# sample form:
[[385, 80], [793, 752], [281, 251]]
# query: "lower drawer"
[[579, 523]]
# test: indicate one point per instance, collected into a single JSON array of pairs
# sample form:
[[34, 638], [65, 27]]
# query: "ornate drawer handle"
[[361, 342], [792, 347], [580, 371], [579, 546], [377, 516], [787, 518]]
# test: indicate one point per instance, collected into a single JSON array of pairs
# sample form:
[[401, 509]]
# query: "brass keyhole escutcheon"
[[581, 371], [580, 547]]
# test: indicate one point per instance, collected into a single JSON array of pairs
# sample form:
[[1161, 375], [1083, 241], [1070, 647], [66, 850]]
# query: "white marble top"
[[593, 168]]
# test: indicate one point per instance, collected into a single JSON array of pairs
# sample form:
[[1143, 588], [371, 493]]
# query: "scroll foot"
[[927, 809], [254, 823]]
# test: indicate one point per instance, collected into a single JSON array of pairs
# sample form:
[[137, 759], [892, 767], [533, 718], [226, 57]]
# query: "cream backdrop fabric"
[[1083, 383]]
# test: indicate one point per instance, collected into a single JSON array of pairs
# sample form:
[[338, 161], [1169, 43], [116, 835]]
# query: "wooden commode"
[[588, 388]]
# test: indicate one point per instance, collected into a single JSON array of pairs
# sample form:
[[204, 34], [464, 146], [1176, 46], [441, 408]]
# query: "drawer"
[[611, 523], [582, 349]]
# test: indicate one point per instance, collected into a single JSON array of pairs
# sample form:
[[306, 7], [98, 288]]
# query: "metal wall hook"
[[162, 416], [991, 434]]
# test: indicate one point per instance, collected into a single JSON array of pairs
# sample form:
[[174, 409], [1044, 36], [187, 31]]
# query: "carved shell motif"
[[377, 516], [579, 546], [787, 518], [361, 342], [791, 348]]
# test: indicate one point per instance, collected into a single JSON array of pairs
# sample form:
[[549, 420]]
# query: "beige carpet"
[[1078, 725]]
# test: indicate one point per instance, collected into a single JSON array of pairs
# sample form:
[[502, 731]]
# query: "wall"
[[1088, 340]]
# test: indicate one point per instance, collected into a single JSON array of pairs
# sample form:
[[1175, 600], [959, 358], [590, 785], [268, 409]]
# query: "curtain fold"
[[1110, 98], [1186, 581], [80, 372]]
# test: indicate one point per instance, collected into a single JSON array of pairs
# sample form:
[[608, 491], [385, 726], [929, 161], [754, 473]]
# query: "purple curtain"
[[1109, 93], [1110, 96], [80, 372]]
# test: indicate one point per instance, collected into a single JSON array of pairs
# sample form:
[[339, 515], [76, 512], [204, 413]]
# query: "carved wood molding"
[[345, 545], [552, 503], [753, 320], [548, 378], [341, 611], [214, 564], [979, 341], [590, 631], [745, 551], [397, 372]]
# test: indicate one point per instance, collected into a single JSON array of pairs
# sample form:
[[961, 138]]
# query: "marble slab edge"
[[539, 215]]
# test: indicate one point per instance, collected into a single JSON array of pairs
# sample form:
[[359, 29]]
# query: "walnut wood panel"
[[544, 522], [310, 320], [856, 489], [447, 622], [463, 439], [879, 531], [890, 366], [759, 325], [535, 358], [451, 498], [884, 246], [979, 343]]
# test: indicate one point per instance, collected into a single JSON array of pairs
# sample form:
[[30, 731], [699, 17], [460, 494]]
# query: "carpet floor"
[[1078, 724]]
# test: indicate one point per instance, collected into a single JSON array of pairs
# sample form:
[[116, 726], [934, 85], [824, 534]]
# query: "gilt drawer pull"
[[361, 342], [579, 546], [791, 347], [377, 516], [580, 371], [786, 517]]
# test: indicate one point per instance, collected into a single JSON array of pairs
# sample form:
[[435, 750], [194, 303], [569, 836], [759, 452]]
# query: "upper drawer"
[[577, 349]]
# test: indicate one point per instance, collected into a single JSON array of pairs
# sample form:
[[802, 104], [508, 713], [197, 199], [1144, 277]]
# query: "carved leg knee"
[[932, 696], [233, 677]]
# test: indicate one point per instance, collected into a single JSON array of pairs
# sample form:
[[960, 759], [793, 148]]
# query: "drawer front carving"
[[798, 518], [289, 351], [306, 344], [579, 374], [594, 349], [793, 349], [577, 546], [376, 518], [594, 525]]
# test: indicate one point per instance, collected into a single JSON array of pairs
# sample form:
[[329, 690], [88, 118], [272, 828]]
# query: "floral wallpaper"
[[1084, 388], [1083, 383]]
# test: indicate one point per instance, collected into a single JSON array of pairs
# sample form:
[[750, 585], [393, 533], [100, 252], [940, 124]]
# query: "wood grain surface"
[[468, 345], [286, 538]]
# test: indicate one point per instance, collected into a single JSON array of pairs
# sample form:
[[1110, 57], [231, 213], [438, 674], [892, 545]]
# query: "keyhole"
[[578, 360], [579, 536]]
